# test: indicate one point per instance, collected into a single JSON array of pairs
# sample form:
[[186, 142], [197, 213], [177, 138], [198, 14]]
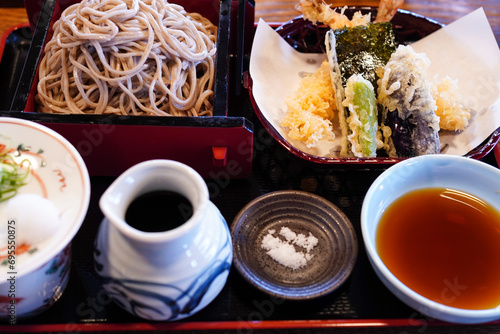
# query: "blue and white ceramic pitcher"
[[167, 275]]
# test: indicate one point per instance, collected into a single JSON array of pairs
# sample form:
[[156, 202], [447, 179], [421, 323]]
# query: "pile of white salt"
[[283, 250]]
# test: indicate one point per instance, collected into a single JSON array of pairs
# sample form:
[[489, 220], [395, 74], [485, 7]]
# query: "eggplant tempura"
[[408, 106]]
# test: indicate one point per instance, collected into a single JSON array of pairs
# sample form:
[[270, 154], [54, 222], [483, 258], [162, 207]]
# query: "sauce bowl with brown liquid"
[[431, 228]]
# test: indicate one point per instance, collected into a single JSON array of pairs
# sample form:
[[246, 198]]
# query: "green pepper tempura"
[[362, 120]]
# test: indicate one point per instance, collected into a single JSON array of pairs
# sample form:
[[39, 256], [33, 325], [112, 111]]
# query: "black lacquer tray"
[[361, 304]]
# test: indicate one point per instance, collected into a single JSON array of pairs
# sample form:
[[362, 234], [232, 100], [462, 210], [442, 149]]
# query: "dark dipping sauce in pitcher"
[[445, 245], [158, 211]]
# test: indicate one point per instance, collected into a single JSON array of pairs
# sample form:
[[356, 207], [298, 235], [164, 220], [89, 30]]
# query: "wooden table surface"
[[444, 11], [11, 16]]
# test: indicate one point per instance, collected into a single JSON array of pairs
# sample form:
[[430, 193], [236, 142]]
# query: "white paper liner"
[[465, 50]]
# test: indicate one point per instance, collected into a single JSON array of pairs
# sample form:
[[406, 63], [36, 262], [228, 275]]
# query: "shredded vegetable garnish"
[[12, 174]]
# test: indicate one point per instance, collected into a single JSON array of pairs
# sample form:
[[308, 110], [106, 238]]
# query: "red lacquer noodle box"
[[217, 146]]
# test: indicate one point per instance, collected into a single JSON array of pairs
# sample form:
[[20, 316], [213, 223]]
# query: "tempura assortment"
[[385, 102]]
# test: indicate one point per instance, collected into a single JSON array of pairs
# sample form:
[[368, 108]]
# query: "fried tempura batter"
[[319, 11], [316, 11], [387, 9]]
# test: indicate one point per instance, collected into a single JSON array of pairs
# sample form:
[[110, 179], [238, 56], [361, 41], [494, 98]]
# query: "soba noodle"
[[129, 57]]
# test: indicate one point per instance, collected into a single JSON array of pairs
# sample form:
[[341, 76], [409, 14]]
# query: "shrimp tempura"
[[316, 11]]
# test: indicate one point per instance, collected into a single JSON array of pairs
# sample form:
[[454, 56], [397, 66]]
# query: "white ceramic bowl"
[[36, 279], [471, 176]]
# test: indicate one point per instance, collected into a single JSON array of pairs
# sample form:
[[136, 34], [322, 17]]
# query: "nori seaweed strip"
[[362, 49]]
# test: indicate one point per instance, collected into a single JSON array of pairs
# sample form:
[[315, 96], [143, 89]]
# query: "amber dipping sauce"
[[445, 245]]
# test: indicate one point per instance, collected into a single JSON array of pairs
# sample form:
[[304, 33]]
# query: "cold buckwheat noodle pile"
[[128, 57]]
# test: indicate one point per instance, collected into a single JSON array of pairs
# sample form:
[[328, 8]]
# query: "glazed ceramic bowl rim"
[[24, 269], [126, 229], [440, 310]]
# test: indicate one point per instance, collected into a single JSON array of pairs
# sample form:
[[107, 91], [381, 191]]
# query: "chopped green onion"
[[12, 176]]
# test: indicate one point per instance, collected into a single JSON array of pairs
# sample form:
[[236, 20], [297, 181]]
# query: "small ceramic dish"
[[331, 261], [38, 274]]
